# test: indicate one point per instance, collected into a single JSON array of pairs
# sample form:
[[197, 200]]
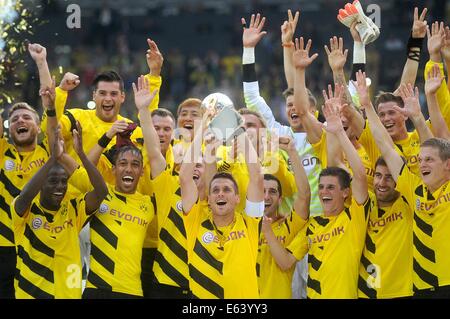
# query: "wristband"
[[287, 45], [413, 48], [104, 141], [50, 113], [248, 56]]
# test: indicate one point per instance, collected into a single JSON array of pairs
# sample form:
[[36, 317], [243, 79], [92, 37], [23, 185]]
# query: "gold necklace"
[[222, 235]]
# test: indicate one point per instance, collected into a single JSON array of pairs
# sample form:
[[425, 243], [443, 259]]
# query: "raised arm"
[[303, 198], [432, 85], [334, 126], [142, 98], [445, 51], [415, 42], [287, 36], [379, 132], [301, 61], [95, 197], [413, 111], [39, 55], [255, 189], [34, 185], [155, 62]]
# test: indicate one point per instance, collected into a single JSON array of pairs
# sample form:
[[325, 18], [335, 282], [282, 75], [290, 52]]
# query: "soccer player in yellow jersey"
[[19, 161], [46, 228], [119, 229], [273, 282], [428, 195], [334, 241], [227, 236], [389, 242]]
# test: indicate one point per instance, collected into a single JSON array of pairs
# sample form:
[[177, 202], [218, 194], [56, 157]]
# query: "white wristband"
[[248, 56], [359, 53], [254, 209]]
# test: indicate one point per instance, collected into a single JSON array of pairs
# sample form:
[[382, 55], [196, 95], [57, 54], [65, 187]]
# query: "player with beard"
[[46, 227]]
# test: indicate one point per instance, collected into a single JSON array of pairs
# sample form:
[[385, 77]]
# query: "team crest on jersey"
[[36, 223], [9, 165], [208, 237], [103, 208], [143, 207], [179, 206]]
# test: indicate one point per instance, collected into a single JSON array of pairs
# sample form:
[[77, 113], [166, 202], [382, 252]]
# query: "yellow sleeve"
[[299, 246], [443, 95], [104, 166], [80, 180], [17, 221], [60, 101], [155, 83], [407, 182], [368, 142], [320, 148], [81, 215], [296, 222], [275, 164]]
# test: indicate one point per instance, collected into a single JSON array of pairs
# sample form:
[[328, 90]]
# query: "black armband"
[[104, 141], [414, 47], [355, 68], [249, 73], [50, 113]]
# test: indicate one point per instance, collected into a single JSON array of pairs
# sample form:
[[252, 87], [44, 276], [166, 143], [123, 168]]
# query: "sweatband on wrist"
[[413, 48], [249, 73], [104, 141], [359, 52], [357, 67], [254, 209], [248, 55], [50, 113]]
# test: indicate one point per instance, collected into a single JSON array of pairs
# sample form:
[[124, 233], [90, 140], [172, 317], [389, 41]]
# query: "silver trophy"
[[227, 123]]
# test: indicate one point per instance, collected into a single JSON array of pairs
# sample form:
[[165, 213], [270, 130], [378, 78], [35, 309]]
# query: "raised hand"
[[78, 139], [253, 34], [48, 95], [445, 50], [301, 56], [436, 40], [355, 34], [142, 95], [58, 144], [337, 56], [410, 99], [38, 52], [69, 82], [286, 143], [331, 110], [434, 81], [419, 28], [154, 58], [288, 27], [361, 88], [266, 224]]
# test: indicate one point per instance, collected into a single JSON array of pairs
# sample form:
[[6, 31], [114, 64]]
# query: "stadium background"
[[201, 41]]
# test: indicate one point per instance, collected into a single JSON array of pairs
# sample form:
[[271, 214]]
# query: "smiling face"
[[187, 117], [272, 198], [108, 98], [127, 170], [384, 186], [23, 128], [433, 170], [331, 195], [54, 188], [164, 128], [223, 197], [393, 120]]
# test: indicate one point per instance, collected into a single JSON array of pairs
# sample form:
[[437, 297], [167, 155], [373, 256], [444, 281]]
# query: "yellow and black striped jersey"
[[222, 261], [273, 282], [431, 227], [334, 245], [117, 236], [16, 169], [48, 250], [171, 259], [388, 249]]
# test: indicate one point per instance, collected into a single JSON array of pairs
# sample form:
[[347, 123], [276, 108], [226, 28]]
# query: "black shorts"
[[433, 293], [147, 276], [160, 291], [7, 269], [93, 293]]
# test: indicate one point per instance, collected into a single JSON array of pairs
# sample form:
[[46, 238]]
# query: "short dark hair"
[[24, 106], [225, 176], [244, 111], [312, 100], [189, 102], [442, 145], [270, 177], [108, 76], [382, 162], [342, 175], [385, 97], [127, 148], [162, 112]]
